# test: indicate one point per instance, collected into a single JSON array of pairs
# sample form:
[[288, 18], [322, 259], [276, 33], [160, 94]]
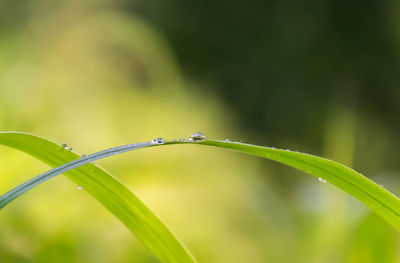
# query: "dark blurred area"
[[281, 65]]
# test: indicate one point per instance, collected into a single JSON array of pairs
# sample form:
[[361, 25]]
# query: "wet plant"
[[141, 221]]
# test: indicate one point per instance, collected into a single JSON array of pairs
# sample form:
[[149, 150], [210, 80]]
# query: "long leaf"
[[380, 200], [377, 198], [147, 227]]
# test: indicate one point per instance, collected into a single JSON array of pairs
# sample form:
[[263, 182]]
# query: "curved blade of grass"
[[381, 201], [378, 199], [139, 219]]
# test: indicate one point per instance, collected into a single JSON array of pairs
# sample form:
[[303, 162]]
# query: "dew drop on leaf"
[[197, 136], [158, 141], [321, 180]]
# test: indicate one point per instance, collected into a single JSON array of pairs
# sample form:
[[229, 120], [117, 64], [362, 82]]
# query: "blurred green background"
[[314, 76]]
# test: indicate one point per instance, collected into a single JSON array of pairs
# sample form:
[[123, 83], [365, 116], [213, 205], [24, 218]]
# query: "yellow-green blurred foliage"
[[95, 77]]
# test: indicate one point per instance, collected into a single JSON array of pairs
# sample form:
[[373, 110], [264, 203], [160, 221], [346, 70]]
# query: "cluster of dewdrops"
[[196, 136]]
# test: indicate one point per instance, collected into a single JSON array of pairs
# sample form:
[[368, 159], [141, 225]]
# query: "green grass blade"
[[23, 188], [378, 199], [381, 201], [148, 228]]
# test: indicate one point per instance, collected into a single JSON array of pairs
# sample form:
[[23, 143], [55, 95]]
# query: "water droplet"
[[70, 149], [79, 187], [321, 180], [227, 140], [64, 145], [158, 141], [197, 136]]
